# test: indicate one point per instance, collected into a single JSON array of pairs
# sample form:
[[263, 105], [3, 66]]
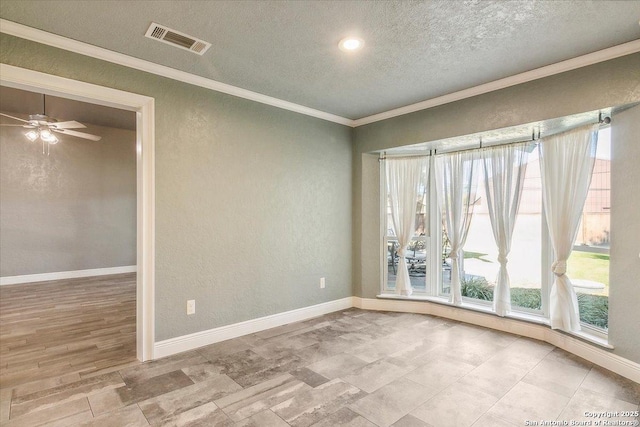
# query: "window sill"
[[593, 339], [525, 317]]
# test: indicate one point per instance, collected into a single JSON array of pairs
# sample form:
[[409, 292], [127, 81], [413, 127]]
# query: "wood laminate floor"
[[80, 326], [350, 368]]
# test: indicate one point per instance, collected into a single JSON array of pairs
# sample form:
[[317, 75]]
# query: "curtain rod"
[[523, 141], [601, 121], [383, 155]]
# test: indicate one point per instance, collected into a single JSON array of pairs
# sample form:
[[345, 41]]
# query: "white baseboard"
[[200, 339], [44, 277], [592, 353]]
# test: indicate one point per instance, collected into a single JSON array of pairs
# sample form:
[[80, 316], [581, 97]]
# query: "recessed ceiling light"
[[350, 44]]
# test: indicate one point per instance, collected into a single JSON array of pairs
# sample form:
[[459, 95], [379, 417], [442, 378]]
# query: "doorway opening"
[[143, 106]]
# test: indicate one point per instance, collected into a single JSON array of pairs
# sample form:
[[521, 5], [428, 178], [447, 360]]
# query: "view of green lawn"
[[589, 266], [593, 303]]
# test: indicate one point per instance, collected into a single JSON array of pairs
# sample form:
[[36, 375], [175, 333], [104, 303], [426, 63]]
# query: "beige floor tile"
[[456, 333], [324, 350], [306, 375], [206, 415], [310, 406], [250, 401], [202, 372], [503, 339], [561, 378], [5, 403], [223, 348], [561, 356], [50, 414], [167, 406], [337, 366], [587, 400], [488, 420], [46, 384], [410, 421], [106, 401], [474, 351], [388, 404], [276, 350], [109, 368], [606, 382], [131, 416], [377, 349], [494, 377], [525, 402], [274, 332], [524, 352], [152, 387], [364, 336], [371, 377], [265, 418], [440, 373], [158, 367], [419, 352], [409, 335], [64, 393], [344, 418], [73, 420], [456, 406]]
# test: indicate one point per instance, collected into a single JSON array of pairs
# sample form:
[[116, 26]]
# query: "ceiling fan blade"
[[78, 134], [22, 126], [14, 118], [72, 124]]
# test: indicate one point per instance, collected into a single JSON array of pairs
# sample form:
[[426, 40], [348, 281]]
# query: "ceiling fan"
[[43, 127]]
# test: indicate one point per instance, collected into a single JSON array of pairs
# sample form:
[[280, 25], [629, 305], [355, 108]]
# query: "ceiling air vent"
[[176, 38]]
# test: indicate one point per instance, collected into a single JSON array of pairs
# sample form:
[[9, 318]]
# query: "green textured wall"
[[74, 209], [253, 203], [624, 276]]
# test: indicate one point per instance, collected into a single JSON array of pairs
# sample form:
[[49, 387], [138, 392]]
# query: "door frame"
[[143, 106]]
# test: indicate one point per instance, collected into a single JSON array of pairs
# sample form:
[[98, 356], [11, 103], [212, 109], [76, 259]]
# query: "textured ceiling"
[[288, 49]]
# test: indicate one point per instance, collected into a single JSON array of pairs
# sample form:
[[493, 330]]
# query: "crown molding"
[[43, 37], [538, 73], [60, 42]]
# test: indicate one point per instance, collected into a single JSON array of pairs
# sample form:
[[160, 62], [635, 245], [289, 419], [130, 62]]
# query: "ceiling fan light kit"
[[44, 134], [32, 135], [43, 128]]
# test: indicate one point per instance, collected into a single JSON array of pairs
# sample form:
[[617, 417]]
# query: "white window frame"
[[433, 276]]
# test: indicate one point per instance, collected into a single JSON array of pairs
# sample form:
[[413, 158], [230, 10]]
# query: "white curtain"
[[404, 177], [566, 165], [504, 169], [455, 178]]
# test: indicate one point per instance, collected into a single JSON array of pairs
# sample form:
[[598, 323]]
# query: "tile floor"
[[350, 368]]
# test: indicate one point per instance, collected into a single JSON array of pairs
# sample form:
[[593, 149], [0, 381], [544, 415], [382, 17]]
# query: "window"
[[479, 264], [531, 253], [526, 264], [588, 266], [417, 256]]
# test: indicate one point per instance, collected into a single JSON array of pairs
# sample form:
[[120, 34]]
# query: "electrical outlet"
[[191, 306], [322, 283]]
